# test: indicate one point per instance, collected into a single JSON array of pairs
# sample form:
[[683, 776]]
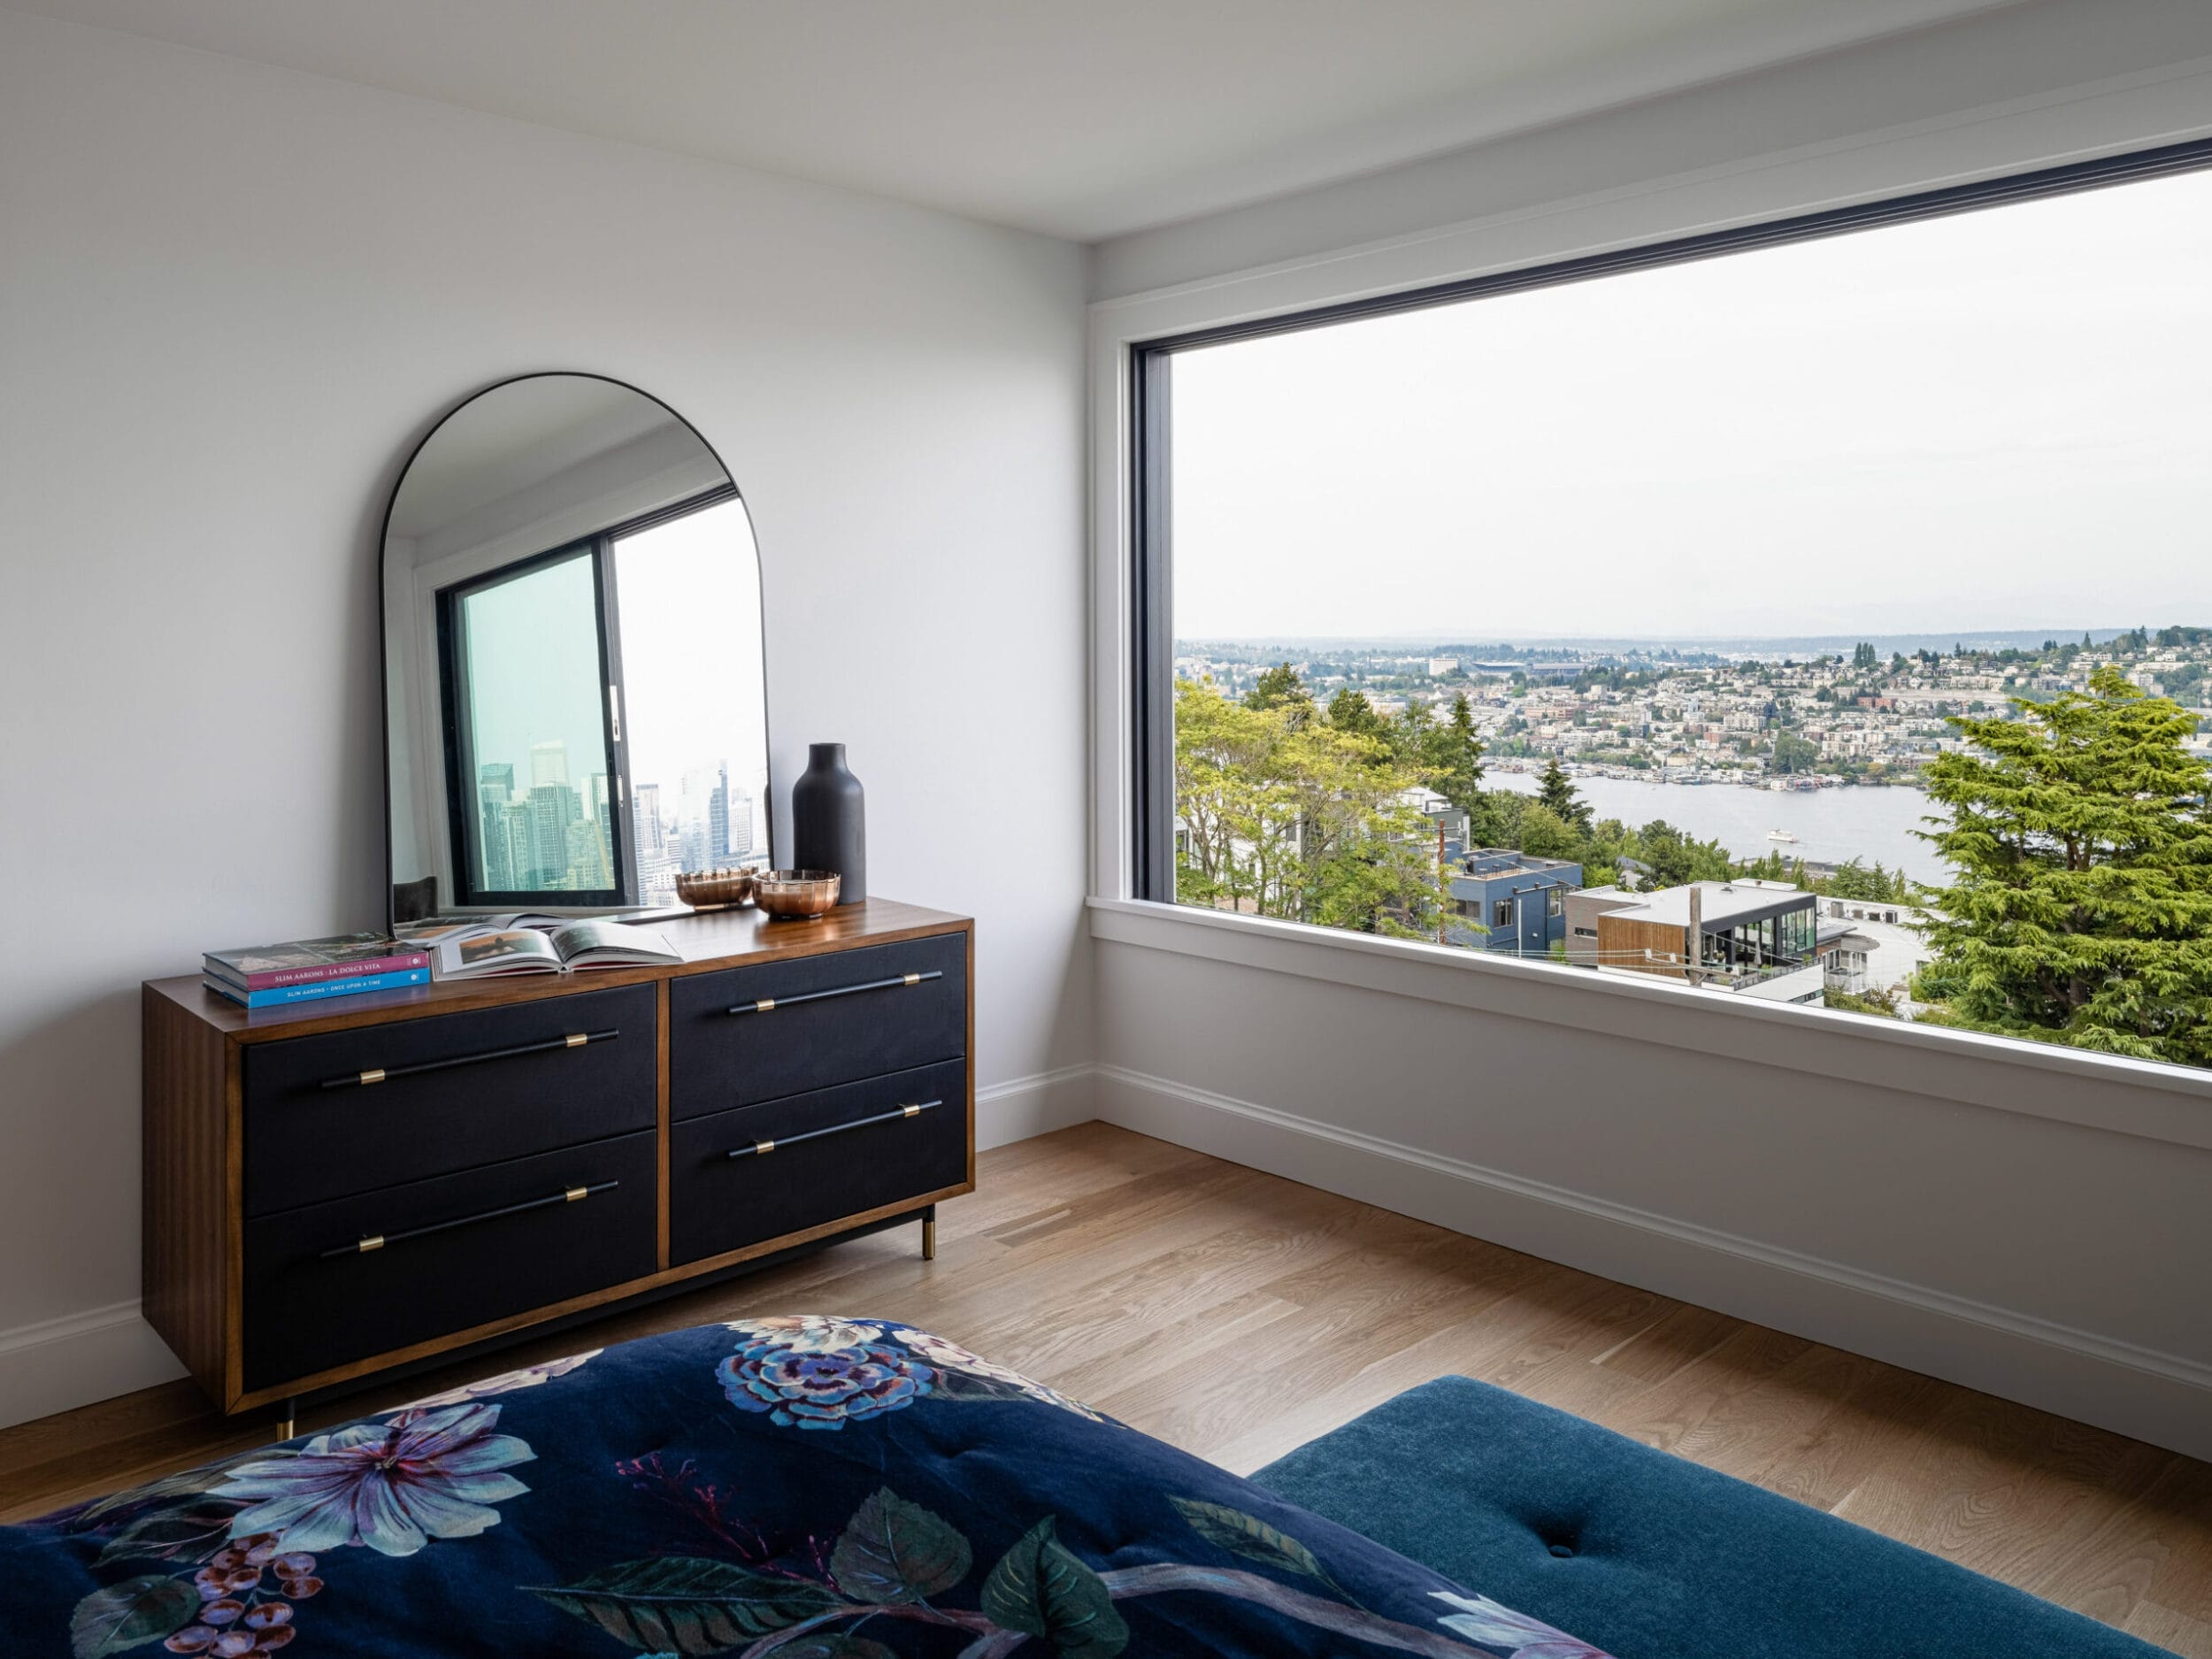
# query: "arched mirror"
[[574, 701]]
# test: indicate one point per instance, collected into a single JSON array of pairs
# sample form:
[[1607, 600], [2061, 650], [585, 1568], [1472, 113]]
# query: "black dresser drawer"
[[835, 1152], [450, 1092], [456, 1250], [814, 1023]]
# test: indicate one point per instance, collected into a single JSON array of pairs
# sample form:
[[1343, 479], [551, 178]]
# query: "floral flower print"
[[807, 1333], [392, 1486], [813, 1388], [505, 1382], [1495, 1625], [240, 1611], [952, 1357]]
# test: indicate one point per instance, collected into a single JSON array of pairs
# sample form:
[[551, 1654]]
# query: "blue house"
[[1521, 899]]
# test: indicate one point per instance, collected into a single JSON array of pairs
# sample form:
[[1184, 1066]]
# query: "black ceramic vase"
[[829, 821]]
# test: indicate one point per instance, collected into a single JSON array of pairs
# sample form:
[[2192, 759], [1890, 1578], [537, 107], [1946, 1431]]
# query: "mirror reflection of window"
[[533, 760]]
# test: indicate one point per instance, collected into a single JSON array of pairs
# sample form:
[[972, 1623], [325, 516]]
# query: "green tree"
[[2082, 909], [1793, 754], [1281, 687], [1557, 792], [1543, 833], [1455, 757], [1350, 712], [1282, 814], [1676, 858]]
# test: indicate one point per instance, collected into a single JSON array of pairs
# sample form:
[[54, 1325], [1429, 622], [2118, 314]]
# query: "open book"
[[478, 952]]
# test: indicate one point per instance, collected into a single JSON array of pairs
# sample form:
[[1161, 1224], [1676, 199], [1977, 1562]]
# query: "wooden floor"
[[1118, 1268]]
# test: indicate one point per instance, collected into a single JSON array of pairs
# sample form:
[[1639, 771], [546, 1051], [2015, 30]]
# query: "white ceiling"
[[1079, 118]]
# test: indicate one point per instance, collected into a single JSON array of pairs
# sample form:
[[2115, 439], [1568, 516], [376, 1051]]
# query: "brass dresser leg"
[[929, 1233], [287, 1419]]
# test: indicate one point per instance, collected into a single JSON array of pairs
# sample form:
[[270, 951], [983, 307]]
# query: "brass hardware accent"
[[376, 1076], [574, 1193], [929, 1237], [760, 1146], [374, 1242], [288, 1425], [763, 1005], [913, 978], [910, 1112], [578, 1039]]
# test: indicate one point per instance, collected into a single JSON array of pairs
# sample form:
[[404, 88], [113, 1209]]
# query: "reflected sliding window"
[[587, 727]]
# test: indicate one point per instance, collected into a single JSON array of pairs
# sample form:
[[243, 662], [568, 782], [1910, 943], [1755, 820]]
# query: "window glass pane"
[[1811, 568], [533, 711], [691, 623]]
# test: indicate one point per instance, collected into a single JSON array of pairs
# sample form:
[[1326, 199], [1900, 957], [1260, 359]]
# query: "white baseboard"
[[60, 1363], [2162, 1398], [1027, 1106]]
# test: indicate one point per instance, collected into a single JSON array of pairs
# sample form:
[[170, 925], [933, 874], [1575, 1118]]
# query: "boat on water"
[[1780, 835]]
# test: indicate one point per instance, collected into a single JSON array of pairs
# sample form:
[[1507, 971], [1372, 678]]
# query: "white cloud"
[[2001, 419]]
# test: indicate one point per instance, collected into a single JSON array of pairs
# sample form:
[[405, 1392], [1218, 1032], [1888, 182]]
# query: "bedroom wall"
[[231, 298], [2033, 1227], [2013, 58]]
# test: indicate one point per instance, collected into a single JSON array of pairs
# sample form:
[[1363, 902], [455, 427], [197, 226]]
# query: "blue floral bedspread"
[[814, 1487]]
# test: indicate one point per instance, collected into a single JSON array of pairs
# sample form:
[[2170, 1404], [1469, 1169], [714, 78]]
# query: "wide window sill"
[[2131, 1097]]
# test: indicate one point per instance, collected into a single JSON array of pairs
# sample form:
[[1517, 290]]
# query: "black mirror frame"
[[383, 620]]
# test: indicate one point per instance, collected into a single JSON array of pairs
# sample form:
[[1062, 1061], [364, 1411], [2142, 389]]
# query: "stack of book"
[[267, 976]]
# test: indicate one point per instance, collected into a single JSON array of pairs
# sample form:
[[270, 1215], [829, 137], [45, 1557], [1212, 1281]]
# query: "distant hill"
[[1799, 646]]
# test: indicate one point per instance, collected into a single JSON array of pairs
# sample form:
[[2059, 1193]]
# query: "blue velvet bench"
[[1650, 1556]]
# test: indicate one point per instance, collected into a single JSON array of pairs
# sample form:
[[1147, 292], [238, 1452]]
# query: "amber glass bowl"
[[795, 893], [715, 889]]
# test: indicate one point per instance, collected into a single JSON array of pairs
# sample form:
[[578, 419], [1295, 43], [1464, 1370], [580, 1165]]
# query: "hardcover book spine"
[[272, 979], [282, 996]]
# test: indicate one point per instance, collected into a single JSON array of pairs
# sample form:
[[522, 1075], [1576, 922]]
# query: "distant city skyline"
[[2000, 416], [556, 836]]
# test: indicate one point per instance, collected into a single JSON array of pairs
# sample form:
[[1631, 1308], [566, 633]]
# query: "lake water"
[[1830, 825]]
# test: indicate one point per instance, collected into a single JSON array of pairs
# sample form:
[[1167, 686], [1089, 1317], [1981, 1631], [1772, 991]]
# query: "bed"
[[811, 1486]]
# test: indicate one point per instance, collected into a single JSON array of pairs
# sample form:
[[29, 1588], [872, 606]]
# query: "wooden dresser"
[[344, 1187]]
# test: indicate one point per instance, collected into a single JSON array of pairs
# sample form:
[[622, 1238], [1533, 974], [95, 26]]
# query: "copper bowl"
[[795, 893], [715, 889]]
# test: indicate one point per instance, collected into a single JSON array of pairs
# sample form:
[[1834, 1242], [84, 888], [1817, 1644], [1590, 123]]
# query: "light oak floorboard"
[[1144, 1278]]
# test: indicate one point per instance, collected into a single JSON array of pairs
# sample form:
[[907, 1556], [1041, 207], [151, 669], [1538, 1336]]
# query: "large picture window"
[[1820, 613]]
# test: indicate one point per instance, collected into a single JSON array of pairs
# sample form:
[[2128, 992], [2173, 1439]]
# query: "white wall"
[[1952, 77], [2027, 1222], [230, 299]]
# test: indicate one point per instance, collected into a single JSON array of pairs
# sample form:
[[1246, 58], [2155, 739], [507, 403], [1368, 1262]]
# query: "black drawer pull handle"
[[767, 1004], [378, 1240], [573, 1039], [761, 1148]]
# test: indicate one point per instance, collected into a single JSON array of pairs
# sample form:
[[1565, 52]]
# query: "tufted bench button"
[[1562, 1550]]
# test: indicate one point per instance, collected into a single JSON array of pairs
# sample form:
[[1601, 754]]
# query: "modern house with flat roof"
[[1519, 898], [1754, 938]]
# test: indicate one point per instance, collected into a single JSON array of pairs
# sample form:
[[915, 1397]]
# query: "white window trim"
[[2163, 1103]]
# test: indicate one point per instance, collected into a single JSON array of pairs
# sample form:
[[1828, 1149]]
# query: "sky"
[[1999, 420], [691, 659]]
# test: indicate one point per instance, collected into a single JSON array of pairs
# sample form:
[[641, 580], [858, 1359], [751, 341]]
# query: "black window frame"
[[1151, 641], [464, 820]]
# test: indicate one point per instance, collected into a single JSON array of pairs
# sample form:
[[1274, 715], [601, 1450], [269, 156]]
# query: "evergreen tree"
[[1350, 713], [1448, 756], [1557, 792], [1281, 687], [2082, 910]]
